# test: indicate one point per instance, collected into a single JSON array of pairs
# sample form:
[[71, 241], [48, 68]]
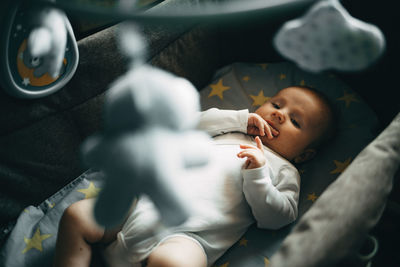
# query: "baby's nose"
[[279, 116]]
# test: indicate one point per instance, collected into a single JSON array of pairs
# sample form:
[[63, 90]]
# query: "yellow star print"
[[246, 78], [263, 66], [282, 76], [266, 261], [302, 83], [259, 99], [312, 197], [243, 242], [91, 191], [348, 98], [340, 166], [218, 89], [35, 242]]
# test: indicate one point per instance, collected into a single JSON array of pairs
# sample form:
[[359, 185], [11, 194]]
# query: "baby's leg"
[[177, 252], [77, 232]]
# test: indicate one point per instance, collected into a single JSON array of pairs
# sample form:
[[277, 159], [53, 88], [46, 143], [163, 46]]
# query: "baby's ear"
[[305, 155]]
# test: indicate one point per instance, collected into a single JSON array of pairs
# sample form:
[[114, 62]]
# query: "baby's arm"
[[217, 121], [273, 206]]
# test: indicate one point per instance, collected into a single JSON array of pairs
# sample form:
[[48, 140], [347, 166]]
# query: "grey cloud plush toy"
[[328, 37]]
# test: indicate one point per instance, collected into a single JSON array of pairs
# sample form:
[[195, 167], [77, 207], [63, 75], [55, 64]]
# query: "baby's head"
[[304, 119]]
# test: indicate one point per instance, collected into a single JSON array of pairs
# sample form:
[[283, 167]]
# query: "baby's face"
[[298, 115]]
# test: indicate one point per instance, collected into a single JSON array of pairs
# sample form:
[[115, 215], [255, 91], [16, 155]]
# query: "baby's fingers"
[[247, 153], [261, 126], [253, 158], [259, 143], [268, 130], [247, 147], [252, 130], [247, 164], [274, 131]]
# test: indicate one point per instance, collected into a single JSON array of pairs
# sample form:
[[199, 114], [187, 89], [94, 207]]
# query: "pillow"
[[249, 85]]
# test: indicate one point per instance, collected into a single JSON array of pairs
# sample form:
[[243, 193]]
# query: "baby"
[[249, 179]]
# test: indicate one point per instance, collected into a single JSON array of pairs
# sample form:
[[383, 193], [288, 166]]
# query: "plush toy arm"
[[165, 166], [136, 163], [113, 202], [166, 198], [121, 185]]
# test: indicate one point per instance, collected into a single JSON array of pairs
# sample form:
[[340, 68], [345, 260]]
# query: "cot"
[[40, 143]]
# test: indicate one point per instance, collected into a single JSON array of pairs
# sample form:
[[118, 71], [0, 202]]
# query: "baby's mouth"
[[275, 132]]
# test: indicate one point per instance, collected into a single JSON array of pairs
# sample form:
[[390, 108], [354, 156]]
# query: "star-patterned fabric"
[[237, 86], [32, 241], [251, 85]]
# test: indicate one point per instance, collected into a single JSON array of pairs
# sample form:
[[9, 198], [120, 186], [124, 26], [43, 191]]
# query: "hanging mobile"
[[39, 50], [328, 37]]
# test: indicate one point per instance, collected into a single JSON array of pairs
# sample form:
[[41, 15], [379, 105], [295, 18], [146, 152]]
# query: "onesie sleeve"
[[273, 206], [217, 121]]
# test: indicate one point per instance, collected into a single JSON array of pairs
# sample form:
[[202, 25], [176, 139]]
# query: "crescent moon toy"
[[17, 72], [26, 68]]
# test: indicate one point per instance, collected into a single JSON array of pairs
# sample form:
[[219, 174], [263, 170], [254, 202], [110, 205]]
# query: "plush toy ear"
[[305, 155]]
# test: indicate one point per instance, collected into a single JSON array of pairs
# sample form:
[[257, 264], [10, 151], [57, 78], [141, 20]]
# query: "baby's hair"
[[331, 128]]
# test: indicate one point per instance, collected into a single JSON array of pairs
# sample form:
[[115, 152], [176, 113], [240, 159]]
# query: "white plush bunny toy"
[[148, 139]]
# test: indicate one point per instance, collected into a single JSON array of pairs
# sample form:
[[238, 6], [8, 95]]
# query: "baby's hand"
[[256, 125], [255, 155]]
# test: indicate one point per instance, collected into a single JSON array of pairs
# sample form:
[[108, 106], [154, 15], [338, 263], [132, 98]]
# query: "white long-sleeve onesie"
[[224, 198], [272, 191]]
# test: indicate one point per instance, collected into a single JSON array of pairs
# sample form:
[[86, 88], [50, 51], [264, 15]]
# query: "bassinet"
[[40, 139]]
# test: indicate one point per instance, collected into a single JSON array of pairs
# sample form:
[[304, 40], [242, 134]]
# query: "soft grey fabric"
[[348, 209], [40, 138]]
